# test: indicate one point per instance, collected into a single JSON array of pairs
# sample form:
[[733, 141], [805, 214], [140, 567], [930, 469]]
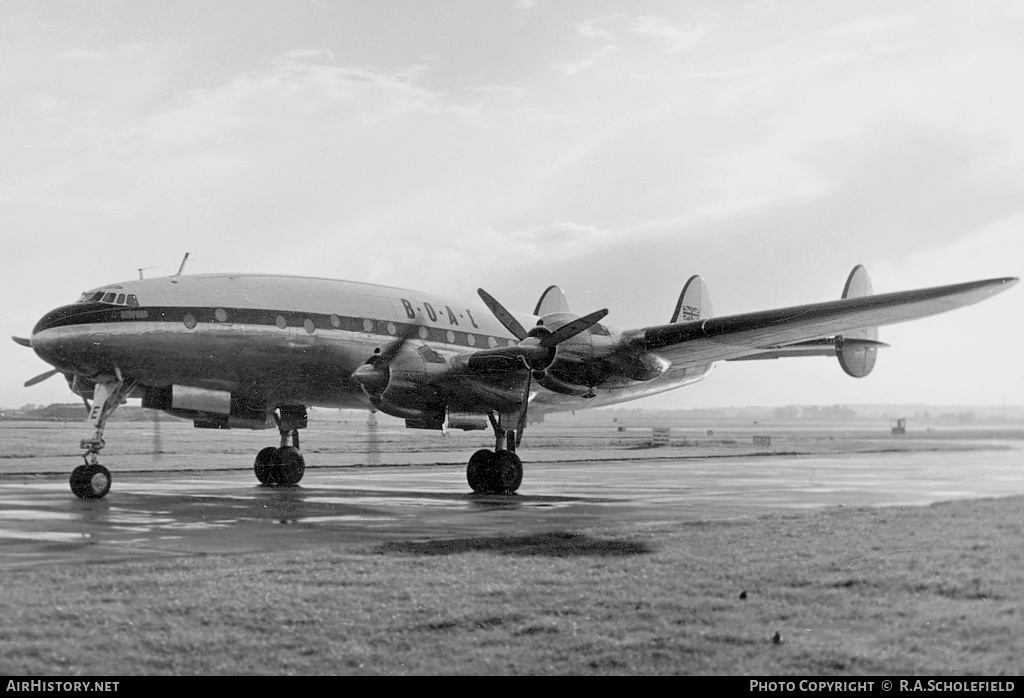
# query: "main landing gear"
[[92, 480], [283, 465], [499, 471]]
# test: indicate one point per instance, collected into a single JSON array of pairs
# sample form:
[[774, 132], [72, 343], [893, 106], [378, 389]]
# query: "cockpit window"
[[112, 297], [600, 329]]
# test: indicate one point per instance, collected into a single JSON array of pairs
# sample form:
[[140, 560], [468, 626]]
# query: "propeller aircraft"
[[255, 351]]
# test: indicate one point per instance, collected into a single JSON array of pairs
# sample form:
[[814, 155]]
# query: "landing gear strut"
[[283, 465], [499, 471], [92, 480]]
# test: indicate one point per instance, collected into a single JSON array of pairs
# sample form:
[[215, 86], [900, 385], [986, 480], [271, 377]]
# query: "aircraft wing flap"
[[747, 334]]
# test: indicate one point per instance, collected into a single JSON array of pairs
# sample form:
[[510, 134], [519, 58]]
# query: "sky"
[[612, 148]]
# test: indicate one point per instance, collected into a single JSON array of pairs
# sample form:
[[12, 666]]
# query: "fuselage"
[[285, 340]]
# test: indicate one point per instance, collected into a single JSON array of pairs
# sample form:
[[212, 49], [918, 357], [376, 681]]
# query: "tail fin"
[[551, 301], [694, 302], [857, 356]]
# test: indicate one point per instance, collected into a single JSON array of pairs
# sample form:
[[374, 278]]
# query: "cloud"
[[588, 62], [82, 56], [676, 39], [296, 88], [868, 26]]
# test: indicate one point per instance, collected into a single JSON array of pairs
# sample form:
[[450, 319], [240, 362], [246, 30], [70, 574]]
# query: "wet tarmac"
[[149, 515]]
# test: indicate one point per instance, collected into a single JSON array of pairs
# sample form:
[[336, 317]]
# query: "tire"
[[90, 481], [507, 473], [77, 482], [290, 466], [479, 469], [264, 465]]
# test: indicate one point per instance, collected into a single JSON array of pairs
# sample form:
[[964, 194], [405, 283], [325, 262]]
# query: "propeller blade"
[[22, 341], [40, 378], [521, 423], [504, 317], [373, 375], [571, 329], [391, 351], [372, 439], [158, 443]]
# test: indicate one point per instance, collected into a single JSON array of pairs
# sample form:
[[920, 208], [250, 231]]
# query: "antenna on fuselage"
[[142, 269], [182, 267]]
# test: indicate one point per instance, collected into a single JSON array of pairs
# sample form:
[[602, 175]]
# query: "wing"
[[796, 330]]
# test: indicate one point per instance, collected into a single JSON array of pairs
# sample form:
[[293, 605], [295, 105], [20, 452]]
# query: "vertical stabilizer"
[[551, 301], [694, 302], [856, 357]]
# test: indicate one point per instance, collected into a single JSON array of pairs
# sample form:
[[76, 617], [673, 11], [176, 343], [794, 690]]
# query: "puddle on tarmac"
[[34, 514], [51, 536]]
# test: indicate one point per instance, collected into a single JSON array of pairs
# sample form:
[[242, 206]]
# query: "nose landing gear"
[[92, 480]]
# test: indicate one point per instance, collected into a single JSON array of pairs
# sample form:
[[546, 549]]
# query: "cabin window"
[[189, 320], [424, 333], [392, 329], [471, 338], [492, 342], [451, 337], [281, 322], [335, 321], [221, 315], [308, 324], [367, 325]]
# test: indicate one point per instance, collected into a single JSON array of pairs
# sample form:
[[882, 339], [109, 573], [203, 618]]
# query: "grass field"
[[930, 590]]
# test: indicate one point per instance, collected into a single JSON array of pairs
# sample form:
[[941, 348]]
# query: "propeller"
[[373, 375], [41, 377], [536, 348]]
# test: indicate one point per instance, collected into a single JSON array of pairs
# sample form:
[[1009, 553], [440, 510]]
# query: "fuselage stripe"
[[189, 317]]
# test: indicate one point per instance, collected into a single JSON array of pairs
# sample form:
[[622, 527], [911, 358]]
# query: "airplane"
[[255, 351]]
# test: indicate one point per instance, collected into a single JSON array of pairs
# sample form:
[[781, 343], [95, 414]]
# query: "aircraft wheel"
[[266, 459], [290, 466], [479, 469], [507, 473], [90, 481]]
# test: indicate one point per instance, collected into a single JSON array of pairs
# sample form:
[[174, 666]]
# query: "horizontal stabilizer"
[[22, 341]]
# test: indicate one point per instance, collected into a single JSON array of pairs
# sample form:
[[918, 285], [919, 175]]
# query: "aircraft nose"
[[55, 339]]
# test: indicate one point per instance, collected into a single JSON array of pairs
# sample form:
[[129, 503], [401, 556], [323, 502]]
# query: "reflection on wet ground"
[[159, 514]]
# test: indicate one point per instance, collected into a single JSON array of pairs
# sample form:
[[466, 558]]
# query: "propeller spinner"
[[373, 375]]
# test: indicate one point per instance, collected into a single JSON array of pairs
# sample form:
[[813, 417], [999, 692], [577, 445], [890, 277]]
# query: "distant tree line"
[[833, 413]]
